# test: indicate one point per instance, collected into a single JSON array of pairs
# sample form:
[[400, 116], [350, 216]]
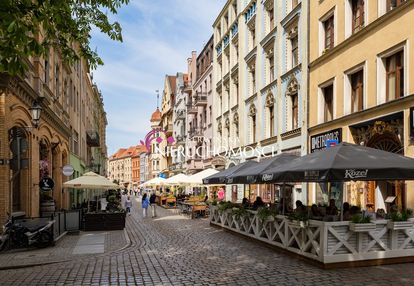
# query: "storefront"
[[386, 127]]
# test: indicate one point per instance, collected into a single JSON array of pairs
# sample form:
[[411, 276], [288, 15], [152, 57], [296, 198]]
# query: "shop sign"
[[67, 170], [46, 184], [319, 141]]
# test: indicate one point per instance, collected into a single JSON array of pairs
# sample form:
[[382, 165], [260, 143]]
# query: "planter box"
[[398, 225], [362, 227], [270, 219], [298, 223], [104, 221]]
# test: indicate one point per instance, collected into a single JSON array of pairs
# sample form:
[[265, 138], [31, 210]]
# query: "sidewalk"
[[70, 247]]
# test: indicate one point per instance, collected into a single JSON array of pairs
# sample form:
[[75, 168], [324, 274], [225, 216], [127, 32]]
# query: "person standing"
[[153, 204], [128, 205], [145, 204]]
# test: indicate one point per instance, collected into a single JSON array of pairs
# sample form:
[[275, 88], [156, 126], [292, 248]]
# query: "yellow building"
[[361, 87]]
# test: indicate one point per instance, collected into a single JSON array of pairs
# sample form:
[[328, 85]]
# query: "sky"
[[158, 37]]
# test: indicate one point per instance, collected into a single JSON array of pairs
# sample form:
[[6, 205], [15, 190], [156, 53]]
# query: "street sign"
[[46, 184], [67, 170]]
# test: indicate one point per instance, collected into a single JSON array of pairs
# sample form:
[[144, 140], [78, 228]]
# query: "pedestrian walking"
[[128, 205], [145, 204], [153, 204]]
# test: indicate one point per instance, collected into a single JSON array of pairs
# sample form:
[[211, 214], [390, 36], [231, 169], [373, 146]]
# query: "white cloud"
[[159, 36]]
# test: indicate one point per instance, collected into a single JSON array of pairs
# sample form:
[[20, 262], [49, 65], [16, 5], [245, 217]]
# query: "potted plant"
[[239, 213], [265, 214], [299, 219], [399, 220], [361, 223]]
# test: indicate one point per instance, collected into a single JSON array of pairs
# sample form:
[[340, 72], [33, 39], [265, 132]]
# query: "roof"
[[156, 115], [132, 151], [118, 154]]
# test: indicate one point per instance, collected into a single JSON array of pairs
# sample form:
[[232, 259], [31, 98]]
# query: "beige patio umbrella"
[[90, 181]]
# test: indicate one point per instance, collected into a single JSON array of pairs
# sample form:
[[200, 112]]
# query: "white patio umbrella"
[[90, 181], [177, 180], [154, 182], [197, 179]]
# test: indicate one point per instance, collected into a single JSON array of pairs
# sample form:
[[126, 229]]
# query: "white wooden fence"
[[326, 242]]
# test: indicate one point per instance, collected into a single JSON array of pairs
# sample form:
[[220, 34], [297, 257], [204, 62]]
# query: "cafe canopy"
[[253, 173], [90, 180], [344, 162], [177, 180], [221, 177]]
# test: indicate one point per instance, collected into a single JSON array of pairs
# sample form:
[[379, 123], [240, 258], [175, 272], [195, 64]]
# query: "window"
[[254, 128], [253, 75], [329, 32], [295, 55], [328, 99], [237, 92], [253, 37], [271, 121], [46, 71], [357, 15], [295, 115], [392, 4], [271, 68], [57, 72], [357, 91], [394, 66], [271, 19], [210, 113]]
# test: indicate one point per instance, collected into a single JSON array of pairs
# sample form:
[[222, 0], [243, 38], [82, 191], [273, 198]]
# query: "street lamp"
[[35, 111]]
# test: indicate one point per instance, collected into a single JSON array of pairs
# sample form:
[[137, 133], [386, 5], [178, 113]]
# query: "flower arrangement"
[[402, 215], [361, 218], [44, 168]]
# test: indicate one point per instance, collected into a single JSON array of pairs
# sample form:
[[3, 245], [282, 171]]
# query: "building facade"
[[36, 152], [179, 125], [361, 88], [260, 81], [202, 99]]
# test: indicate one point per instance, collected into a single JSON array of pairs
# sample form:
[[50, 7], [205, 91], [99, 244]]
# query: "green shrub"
[[225, 205], [403, 215], [263, 213], [239, 212], [298, 216], [359, 218]]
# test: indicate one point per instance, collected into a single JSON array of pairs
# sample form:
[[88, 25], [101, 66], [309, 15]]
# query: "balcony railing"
[[234, 29], [200, 100], [250, 12], [191, 108]]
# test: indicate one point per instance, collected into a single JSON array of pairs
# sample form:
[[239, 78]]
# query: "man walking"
[[153, 205]]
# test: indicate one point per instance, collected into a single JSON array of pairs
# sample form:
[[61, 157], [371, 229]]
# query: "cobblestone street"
[[173, 250]]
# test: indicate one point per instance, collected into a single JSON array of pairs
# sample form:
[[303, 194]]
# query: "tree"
[[32, 27]]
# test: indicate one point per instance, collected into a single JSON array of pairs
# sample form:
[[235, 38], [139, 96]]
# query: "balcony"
[[179, 140], [180, 115], [92, 138], [191, 109], [188, 87], [234, 30], [196, 132], [200, 100]]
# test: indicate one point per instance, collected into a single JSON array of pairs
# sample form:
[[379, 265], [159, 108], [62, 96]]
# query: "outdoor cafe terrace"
[[345, 236]]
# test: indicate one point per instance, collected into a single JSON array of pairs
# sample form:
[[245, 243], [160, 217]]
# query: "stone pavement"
[[67, 248], [174, 250]]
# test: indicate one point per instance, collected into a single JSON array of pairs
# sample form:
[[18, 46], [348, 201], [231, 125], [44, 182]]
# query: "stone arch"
[[292, 86], [20, 116], [270, 99], [252, 110]]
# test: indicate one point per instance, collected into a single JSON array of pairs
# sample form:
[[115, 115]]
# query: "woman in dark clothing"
[[258, 203]]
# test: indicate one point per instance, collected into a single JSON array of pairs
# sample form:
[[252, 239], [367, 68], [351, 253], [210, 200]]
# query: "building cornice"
[[388, 16], [353, 116]]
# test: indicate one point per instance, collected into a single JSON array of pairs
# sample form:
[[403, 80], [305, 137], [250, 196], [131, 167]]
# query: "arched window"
[[270, 114], [293, 104], [253, 122]]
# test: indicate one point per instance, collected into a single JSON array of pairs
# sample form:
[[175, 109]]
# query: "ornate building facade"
[[71, 106], [260, 81], [361, 88]]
